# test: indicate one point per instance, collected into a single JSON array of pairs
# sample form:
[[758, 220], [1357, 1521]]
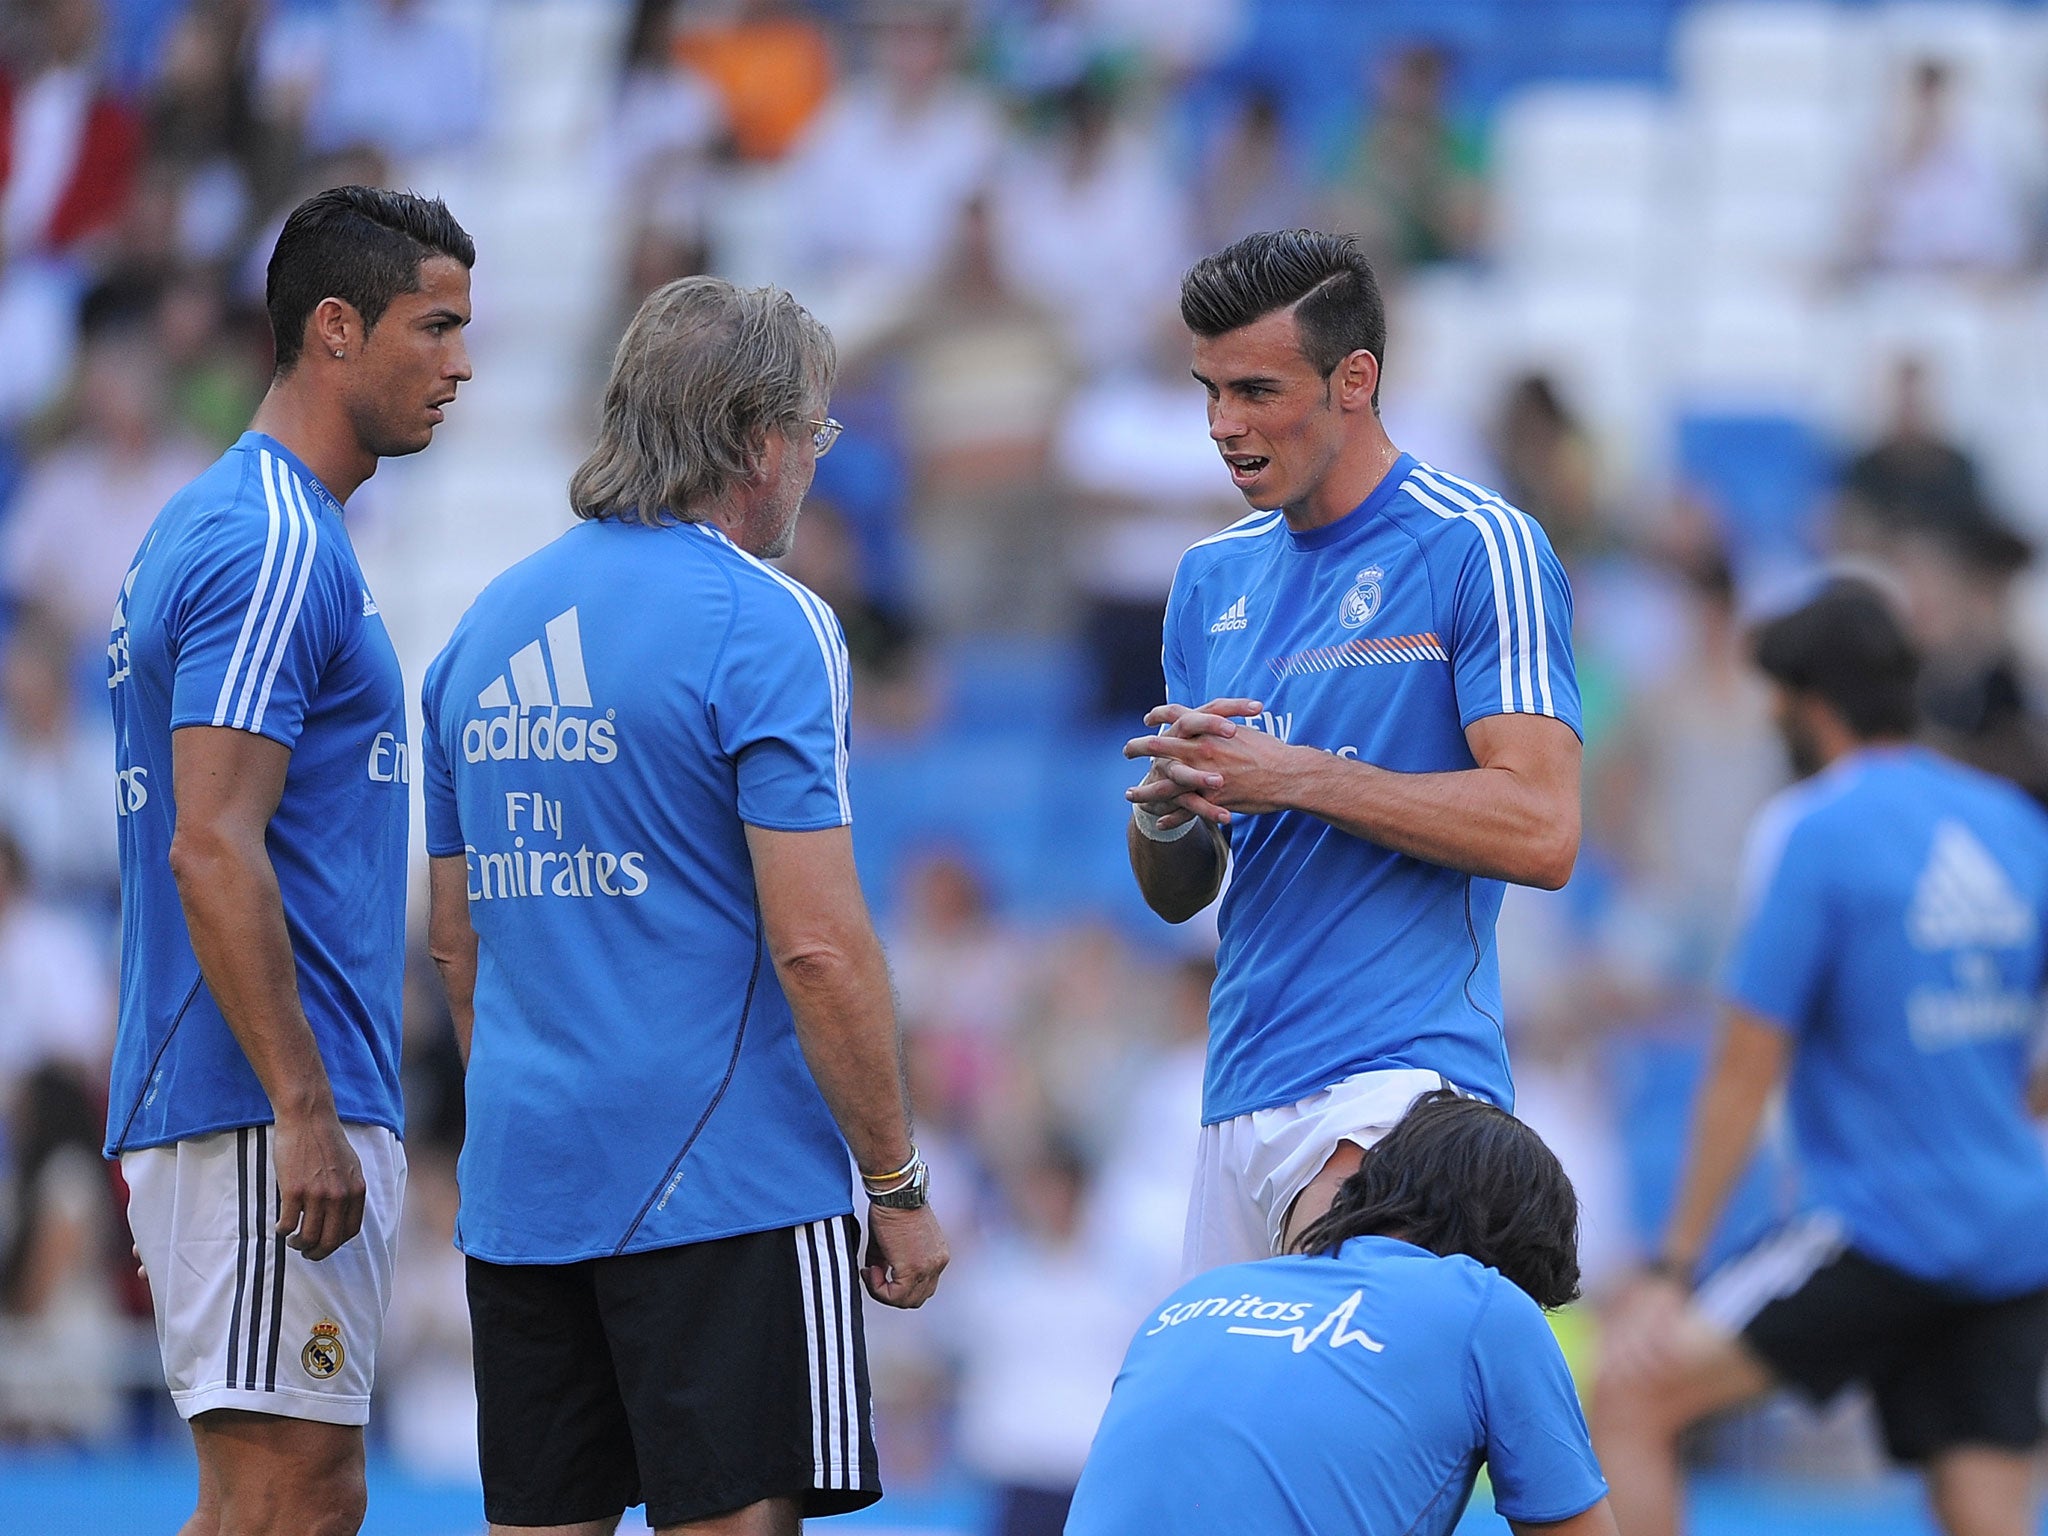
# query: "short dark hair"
[[360, 244], [1457, 1175], [1846, 647], [1336, 299]]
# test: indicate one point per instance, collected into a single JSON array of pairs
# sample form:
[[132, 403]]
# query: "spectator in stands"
[[56, 997], [1041, 1323], [877, 186], [1548, 467], [1252, 177], [979, 373], [1688, 766], [1944, 203], [665, 125], [1913, 476], [205, 125], [961, 978], [768, 64], [53, 768], [85, 507], [403, 75], [1411, 188], [1913, 502], [68, 145], [61, 1329], [1089, 224]]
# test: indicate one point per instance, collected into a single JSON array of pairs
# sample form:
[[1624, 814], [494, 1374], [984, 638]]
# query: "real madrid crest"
[[1362, 600], [323, 1353]]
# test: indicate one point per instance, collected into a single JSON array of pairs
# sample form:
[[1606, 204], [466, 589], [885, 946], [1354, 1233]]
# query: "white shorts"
[[1250, 1168], [242, 1320]]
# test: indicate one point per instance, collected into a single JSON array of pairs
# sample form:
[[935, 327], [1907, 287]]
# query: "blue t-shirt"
[[1895, 930], [245, 609], [1380, 637], [1355, 1392], [607, 721]]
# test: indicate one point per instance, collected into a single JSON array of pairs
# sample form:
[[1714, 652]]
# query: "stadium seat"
[[1579, 169], [1765, 477]]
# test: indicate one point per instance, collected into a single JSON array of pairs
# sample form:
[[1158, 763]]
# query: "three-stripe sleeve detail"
[[274, 604], [825, 1270], [831, 648], [1520, 608]]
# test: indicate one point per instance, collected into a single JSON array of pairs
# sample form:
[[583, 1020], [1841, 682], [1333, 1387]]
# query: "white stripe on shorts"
[[1776, 1267], [825, 1269]]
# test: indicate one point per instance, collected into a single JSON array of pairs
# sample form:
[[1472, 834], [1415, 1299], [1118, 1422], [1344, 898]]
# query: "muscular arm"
[[228, 784], [1179, 878], [1748, 1065], [830, 964], [1597, 1521], [452, 942], [1514, 816]]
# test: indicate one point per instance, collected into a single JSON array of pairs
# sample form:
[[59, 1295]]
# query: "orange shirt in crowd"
[[771, 75]]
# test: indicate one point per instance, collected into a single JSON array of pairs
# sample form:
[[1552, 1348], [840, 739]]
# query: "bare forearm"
[[452, 943], [846, 1025], [458, 980], [236, 919], [1178, 878], [1484, 821], [1731, 1107]]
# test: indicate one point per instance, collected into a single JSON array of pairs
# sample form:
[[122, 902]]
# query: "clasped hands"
[[1206, 764]]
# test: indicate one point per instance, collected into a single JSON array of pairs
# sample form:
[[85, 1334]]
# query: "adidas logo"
[[369, 603], [1964, 899], [1233, 618], [545, 675]]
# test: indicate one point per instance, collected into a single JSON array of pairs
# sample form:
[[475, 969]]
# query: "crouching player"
[[1358, 1384]]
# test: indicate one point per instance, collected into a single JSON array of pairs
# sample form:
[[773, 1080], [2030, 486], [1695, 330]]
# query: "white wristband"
[[1148, 825]]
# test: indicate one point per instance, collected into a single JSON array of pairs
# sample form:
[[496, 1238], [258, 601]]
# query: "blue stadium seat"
[[1766, 478]]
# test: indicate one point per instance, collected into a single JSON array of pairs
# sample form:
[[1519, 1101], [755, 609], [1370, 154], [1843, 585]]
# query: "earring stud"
[[338, 352]]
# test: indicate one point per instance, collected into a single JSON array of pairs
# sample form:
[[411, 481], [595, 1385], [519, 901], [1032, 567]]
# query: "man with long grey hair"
[[675, 1013]]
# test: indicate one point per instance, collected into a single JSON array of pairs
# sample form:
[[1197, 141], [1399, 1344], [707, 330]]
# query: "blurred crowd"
[[990, 203]]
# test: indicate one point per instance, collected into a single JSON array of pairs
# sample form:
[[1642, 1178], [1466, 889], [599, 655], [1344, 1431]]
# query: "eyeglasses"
[[824, 434]]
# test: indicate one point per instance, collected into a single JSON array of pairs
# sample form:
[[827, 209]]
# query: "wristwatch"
[[911, 1194]]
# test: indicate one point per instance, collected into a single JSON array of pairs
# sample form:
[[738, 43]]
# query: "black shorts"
[[1946, 1369], [696, 1380]]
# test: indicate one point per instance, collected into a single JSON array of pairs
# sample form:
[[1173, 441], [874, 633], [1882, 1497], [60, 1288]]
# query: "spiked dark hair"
[[1326, 278], [360, 244]]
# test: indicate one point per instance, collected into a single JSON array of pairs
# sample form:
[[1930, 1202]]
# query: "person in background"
[[85, 506], [1889, 976], [61, 1328], [53, 755], [1412, 189]]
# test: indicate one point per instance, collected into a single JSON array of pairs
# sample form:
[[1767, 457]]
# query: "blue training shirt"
[[1895, 930], [607, 721], [1381, 637], [1354, 1392], [245, 609]]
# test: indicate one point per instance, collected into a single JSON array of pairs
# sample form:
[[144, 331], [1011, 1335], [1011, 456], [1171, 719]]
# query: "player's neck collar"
[[1349, 525]]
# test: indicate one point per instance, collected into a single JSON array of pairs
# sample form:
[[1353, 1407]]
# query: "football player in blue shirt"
[[674, 1010], [1360, 1384], [1889, 974], [1371, 722], [259, 720]]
